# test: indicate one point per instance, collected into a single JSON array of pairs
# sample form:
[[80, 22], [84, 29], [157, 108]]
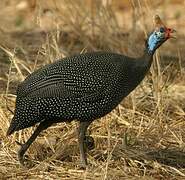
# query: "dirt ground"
[[143, 138]]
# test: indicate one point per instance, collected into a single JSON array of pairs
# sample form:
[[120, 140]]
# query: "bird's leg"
[[42, 126], [81, 137]]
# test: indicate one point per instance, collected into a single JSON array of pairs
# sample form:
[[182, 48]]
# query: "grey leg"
[[42, 126], [81, 137]]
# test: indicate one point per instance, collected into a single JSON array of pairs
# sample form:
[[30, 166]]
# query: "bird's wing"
[[69, 82], [65, 86]]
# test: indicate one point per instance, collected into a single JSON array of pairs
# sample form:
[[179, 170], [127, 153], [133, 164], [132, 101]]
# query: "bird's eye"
[[159, 34]]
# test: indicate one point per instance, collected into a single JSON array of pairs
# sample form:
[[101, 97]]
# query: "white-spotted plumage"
[[82, 87]]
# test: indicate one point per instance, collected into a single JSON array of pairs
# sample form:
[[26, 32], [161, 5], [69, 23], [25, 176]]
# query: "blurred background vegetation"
[[144, 136], [72, 26]]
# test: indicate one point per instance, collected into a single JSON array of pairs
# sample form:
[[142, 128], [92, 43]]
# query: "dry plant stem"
[[7, 88]]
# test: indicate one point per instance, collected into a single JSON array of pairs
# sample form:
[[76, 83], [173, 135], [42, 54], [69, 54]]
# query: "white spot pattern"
[[83, 87]]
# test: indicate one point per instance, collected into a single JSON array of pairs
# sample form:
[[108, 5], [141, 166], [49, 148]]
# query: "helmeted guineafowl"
[[82, 87]]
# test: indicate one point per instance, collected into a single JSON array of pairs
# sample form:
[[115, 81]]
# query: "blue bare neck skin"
[[152, 43], [151, 46]]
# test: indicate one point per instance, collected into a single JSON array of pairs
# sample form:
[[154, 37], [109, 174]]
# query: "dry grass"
[[143, 138]]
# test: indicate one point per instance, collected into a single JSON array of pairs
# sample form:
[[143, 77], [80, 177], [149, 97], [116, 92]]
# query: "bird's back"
[[76, 75]]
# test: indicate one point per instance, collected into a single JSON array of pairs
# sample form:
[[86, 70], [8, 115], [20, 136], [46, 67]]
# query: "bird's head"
[[160, 34]]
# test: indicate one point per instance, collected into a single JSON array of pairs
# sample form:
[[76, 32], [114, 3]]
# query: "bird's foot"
[[21, 157], [83, 165], [89, 142]]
